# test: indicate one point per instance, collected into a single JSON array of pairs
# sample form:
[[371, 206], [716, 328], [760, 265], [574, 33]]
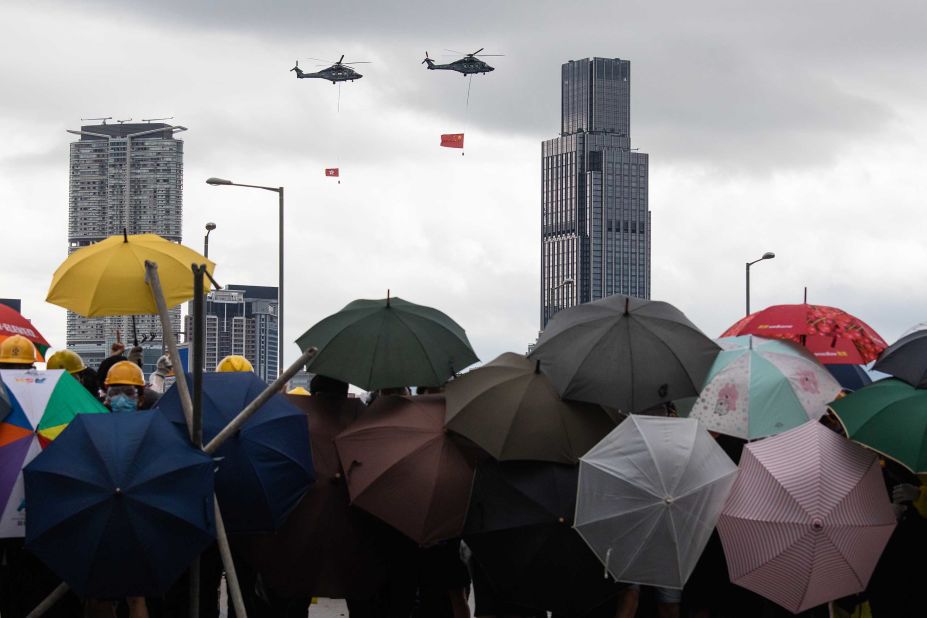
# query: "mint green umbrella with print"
[[761, 387]]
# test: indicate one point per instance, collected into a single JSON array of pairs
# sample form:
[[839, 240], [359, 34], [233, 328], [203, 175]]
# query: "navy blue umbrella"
[[119, 505], [850, 377], [265, 469]]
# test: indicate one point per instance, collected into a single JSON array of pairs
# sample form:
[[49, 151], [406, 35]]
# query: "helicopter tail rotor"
[[428, 61]]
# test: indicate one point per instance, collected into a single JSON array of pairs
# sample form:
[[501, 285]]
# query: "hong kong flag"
[[452, 140], [331, 171]]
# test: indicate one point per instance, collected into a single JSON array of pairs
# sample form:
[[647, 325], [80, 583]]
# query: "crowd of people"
[[438, 581]]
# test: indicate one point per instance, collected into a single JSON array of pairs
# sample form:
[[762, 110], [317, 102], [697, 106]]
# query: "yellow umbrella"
[[299, 390], [108, 278]]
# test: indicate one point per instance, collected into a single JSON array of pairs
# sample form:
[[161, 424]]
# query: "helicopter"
[[338, 72], [468, 65]]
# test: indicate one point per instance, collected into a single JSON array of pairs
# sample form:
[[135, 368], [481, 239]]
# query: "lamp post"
[[209, 227], [766, 256], [564, 283], [279, 191]]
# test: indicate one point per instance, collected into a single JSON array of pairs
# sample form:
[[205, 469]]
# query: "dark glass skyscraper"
[[595, 221]]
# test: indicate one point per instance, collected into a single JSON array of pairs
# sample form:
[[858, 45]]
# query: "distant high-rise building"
[[241, 319], [123, 177], [595, 221]]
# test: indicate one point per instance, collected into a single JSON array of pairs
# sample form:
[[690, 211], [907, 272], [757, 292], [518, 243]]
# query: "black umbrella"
[[850, 377], [906, 359], [625, 352], [519, 528]]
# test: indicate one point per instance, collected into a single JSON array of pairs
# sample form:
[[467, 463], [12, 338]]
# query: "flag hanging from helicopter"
[[452, 140], [331, 172]]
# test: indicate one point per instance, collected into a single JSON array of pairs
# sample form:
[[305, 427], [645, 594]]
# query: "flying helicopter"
[[468, 65], [338, 72]]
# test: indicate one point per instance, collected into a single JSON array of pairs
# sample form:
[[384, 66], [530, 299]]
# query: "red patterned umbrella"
[[12, 323], [834, 336]]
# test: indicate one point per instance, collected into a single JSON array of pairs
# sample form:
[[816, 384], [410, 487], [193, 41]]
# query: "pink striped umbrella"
[[807, 518]]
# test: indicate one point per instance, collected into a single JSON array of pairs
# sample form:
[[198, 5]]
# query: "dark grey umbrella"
[[512, 411], [906, 359], [625, 352]]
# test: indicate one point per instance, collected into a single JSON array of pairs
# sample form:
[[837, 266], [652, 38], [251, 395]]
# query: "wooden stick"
[[154, 282], [53, 597], [231, 578], [260, 400]]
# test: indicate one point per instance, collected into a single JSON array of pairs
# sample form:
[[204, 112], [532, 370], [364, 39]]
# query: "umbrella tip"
[[627, 302], [387, 297], [537, 366], [125, 235]]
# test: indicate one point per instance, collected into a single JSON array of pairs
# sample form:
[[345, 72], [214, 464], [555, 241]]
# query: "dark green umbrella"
[[387, 343], [890, 417], [512, 411], [625, 352]]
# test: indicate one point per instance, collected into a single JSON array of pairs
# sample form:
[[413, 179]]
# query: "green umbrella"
[[888, 416], [512, 411], [387, 343]]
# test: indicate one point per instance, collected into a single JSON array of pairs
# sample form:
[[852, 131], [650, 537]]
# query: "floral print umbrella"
[[761, 387]]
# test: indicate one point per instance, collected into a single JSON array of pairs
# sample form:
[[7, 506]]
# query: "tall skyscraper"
[[123, 177], [242, 319], [595, 221]]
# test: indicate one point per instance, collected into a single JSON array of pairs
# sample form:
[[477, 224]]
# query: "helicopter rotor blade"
[[318, 60], [455, 52], [357, 62], [489, 55], [340, 59], [477, 51]]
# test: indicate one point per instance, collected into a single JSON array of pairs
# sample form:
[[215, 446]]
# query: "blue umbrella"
[[850, 377], [265, 469], [119, 505]]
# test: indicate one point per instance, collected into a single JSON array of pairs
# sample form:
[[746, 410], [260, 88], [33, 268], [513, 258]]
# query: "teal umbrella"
[[761, 387], [388, 343], [890, 417]]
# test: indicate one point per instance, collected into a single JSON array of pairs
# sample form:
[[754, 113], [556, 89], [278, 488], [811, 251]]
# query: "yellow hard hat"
[[234, 362], [125, 372], [17, 350], [66, 359]]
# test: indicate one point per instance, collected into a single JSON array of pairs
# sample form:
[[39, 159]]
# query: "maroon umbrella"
[[402, 467], [325, 548]]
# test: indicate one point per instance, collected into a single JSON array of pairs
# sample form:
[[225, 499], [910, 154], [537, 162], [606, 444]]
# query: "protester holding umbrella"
[[117, 354], [70, 361]]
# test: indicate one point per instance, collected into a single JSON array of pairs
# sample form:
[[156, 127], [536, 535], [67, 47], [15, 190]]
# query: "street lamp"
[[766, 256], [279, 191], [209, 227], [554, 288]]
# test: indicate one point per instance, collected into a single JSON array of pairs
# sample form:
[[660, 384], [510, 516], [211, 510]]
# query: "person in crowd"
[[117, 353], [234, 362], [124, 387], [70, 361], [137, 356], [158, 381], [17, 352], [896, 585]]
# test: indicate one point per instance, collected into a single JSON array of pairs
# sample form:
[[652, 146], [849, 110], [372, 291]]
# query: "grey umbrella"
[[906, 359], [625, 352]]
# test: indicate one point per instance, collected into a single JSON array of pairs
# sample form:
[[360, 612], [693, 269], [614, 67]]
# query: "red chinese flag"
[[452, 140], [331, 171]]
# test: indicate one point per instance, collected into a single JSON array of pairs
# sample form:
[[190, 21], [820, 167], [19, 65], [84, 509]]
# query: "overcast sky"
[[793, 127]]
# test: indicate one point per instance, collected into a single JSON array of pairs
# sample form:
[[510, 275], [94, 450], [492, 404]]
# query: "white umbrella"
[[649, 496]]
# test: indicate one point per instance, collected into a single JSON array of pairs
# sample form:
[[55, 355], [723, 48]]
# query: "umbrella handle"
[[608, 556]]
